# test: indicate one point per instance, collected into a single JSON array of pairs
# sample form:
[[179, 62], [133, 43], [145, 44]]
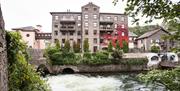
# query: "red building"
[[121, 34]]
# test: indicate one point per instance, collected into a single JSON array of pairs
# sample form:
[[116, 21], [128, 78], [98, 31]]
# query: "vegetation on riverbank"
[[21, 75], [68, 57]]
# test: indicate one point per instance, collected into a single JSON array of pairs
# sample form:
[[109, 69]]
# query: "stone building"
[[34, 37], [3, 57], [146, 40], [89, 24]]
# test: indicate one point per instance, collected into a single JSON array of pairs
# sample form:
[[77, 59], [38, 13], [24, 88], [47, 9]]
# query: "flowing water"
[[89, 82]]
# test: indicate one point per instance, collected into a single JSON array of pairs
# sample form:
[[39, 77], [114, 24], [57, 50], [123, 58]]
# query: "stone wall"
[[3, 57], [98, 68]]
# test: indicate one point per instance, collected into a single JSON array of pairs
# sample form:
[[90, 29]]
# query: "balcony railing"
[[106, 29], [43, 36], [67, 28]]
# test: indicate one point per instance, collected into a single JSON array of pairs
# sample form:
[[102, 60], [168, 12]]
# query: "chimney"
[[39, 27]]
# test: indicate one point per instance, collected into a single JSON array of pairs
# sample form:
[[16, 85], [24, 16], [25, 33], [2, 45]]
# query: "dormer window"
[[86, 9]]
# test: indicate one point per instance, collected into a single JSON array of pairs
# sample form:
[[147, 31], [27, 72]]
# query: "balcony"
[[43, 36], [67, 28], [105, 28]]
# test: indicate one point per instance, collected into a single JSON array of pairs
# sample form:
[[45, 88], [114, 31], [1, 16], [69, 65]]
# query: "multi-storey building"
[[98, 28]]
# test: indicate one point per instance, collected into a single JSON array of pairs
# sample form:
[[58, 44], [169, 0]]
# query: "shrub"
[[118, 45], [125, 47], [155, 49], [67, 46], [110, 47], [117, 54], [86, 45], [21, 75]]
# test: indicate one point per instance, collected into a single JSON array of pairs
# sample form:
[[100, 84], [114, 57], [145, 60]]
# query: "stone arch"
[[68, 71], [43, 69]]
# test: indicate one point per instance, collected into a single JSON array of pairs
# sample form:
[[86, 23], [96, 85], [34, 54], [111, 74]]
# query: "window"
[[122, 26], [86, 16], [151, 41], [95, 48], [108, 17], [56, 40], [95, 24], [122, 18], [56, 26], [95, 32], [86, 24], [108, 26], [101, 40], [55, 32], [95, 40], [130, 38], [63, 33], [79, 24], [63, 40], [56, 17], [95, 16], [79, 33], [86, 9], [79, 17], [122, 33], [157, 41], [95, 9], [79, 40], [86, 32], [115, 18], [115, 26], [71, 33], [27, 35]]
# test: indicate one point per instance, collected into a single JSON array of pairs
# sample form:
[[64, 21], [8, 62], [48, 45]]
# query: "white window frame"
[[86, 24], [86, 16], [94, 16], [95, 24], [79, 17], [115, 18]]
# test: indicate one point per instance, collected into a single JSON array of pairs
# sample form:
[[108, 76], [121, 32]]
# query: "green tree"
[[76, 47], [110, 47], [57, 44], [125, 47], [118, 45], [21, 75], [86, 45], [155, 49], [67, 46]]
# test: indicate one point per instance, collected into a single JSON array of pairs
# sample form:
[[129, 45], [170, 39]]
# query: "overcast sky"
[[20, 13]]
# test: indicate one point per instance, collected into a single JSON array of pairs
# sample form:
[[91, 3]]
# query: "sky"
[[21, 13]]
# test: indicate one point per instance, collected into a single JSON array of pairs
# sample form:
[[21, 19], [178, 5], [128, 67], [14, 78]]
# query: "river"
[[100, 82]]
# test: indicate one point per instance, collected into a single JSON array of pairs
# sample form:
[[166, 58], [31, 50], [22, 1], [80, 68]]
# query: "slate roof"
[[150, 33], [27, 28], [132, 34]]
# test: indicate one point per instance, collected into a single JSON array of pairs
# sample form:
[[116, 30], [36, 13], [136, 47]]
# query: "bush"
[[86, 45], [155, 49], [21, 75], [125, 47], [117, 54]]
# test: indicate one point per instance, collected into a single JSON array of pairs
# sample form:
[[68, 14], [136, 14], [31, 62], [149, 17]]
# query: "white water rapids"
[[77, 82]]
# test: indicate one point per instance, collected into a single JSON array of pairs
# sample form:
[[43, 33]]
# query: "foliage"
[[86, 45], [76, 47], [67, 46], [168, 10], [57, 44], [155, 49], [117, 54], [139, 30], [134, 61], [169, 78], [110, 47], [22, 77], [125, 47], [118, 45]]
